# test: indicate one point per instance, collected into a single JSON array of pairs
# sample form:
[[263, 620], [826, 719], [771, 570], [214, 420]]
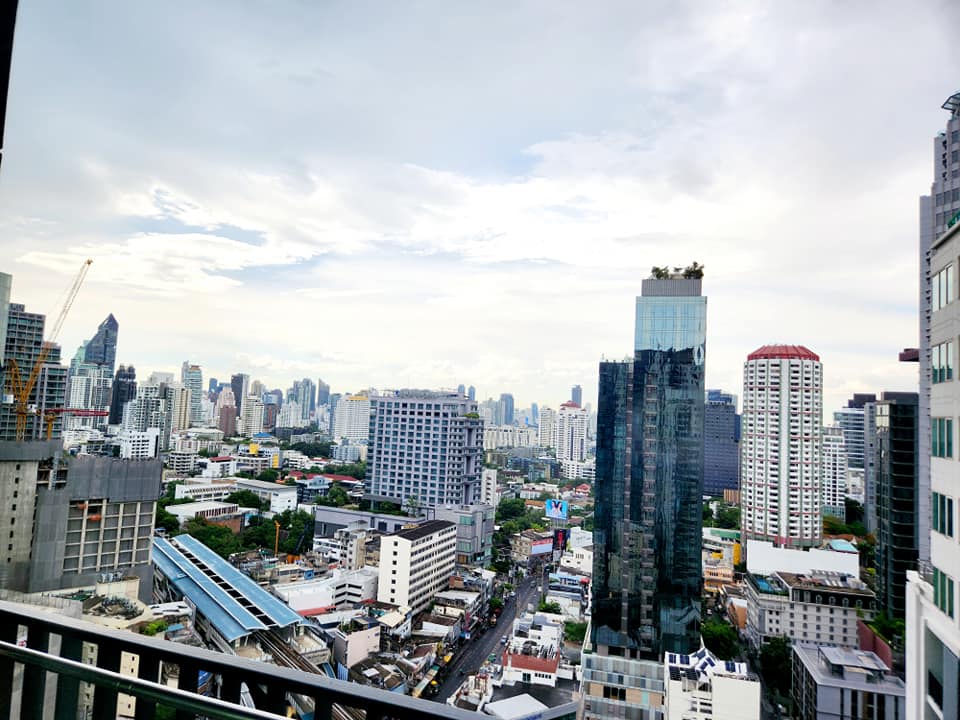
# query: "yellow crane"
[[276, 540], [21, 388]]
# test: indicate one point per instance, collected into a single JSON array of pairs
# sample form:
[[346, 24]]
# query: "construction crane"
[[21, 388], [50, 415]]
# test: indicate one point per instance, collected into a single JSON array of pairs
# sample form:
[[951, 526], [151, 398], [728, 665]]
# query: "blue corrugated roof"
[[230, 618]]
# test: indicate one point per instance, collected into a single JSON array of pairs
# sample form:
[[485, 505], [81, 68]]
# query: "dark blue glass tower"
[[102, 348], [647, 532]]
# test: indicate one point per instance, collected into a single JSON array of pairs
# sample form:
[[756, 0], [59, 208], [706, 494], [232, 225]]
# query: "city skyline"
[[215, 220]]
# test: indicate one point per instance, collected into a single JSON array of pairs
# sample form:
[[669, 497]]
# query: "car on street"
[[503, 640]]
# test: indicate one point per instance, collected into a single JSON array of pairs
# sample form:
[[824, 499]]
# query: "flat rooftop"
[[421, 531], [262, 485], [840, 582], [859, 669]]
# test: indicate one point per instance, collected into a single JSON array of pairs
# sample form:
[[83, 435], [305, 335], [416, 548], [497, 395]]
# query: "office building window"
[[942, 507], [943, 591], [942, 287], [942, 362], [942, 437]]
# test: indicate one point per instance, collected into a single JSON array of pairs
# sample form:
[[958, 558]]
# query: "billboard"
[[560, 538], [556, 509]]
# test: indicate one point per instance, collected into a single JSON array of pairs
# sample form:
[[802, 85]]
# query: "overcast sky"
[[427, 193]]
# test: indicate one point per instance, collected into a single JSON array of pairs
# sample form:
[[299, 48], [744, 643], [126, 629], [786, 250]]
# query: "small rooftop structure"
[[519, 706]]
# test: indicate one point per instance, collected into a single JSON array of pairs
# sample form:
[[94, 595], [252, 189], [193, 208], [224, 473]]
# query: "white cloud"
[[436, 196]]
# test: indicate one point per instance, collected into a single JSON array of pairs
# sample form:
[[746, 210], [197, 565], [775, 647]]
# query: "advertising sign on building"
[[556, 509]]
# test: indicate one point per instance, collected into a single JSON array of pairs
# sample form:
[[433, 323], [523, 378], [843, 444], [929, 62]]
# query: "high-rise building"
[[351, 418], [545, 430], [425, 448], [780, 450], [213, 385], [506, 409], [721, 443], [101, 349], [191, 376], [23, 343], [226, 412], [851, 420], [462, 389], [323, 392], [240, 384], [123, 391], [179, 407], [471, 393], [647, 575], [576, 395], [303, 393], [833, 483], [88, 388], [251, 417], [422, 559], [898, 524], [570, 432], [933, 635]]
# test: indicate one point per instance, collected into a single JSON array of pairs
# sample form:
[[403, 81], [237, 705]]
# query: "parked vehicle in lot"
[[503, 640]]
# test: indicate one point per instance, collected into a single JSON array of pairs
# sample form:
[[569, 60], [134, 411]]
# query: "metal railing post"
[[34, 678], [68, 688], [8, 633], [104, 698]]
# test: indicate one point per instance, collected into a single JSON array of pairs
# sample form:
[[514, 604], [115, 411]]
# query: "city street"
[[476, 650]]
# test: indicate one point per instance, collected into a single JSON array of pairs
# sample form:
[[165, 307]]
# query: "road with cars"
[[473, 652]]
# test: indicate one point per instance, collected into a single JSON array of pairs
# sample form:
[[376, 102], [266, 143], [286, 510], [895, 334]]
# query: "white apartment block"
[[251, 417], [139, 445], [488, 487], [181, 462], [780, 446], [703, 687], [281, 497], [351, 419], [203, 492], [416, 563], [833, 484], [290, 415], [503, 436], [548, 420], [425, 448], [933, 632], [819, 608], [180, 410], [570, 433]]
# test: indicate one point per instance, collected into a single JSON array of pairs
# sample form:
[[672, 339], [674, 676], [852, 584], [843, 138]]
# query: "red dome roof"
[[773, 352]]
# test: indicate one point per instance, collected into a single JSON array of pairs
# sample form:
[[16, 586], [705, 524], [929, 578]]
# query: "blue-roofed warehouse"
[[230, 607]]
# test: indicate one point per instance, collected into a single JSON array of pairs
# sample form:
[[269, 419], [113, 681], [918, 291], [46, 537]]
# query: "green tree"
[[315, 449], [495, 603], [550, 607], [510, 508], [336, 496], [216, 537], [775, 664], [575, 631], [269, 475], [153, 628], [299, 527], [245, 498], [354, 470], [728, 517], [167, 521], [720, 639]]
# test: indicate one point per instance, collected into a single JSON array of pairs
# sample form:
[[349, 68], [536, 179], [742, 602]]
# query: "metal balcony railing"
[[41, 676]]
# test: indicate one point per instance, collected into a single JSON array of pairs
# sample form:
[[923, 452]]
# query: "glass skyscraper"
[[647, 573]]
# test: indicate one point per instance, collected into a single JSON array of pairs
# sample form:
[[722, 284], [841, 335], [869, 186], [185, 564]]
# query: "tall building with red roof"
[[780, 447]]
